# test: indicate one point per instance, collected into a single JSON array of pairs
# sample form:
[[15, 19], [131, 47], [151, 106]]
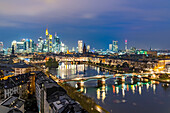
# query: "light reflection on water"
[[128, 97]]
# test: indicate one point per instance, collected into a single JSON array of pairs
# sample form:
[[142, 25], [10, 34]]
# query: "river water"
[[147, 97]]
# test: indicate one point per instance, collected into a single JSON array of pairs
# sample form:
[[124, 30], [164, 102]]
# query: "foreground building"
[[52, 98], [12, 104]]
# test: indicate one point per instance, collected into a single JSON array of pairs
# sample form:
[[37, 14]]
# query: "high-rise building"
[[46, 47], [48, 43], [13, 49], [63, 48], [40, 44], [56, 44], [14, 44], [1, 46], [88, 48], [50, 46], [115, 46], [73, 50], [18, 47], [29, 45], [126, 45], [110, 47], [80, 46]]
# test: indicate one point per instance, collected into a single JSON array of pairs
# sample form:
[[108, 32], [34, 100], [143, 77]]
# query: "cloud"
[[154, 19], [88, 16], [8, 24], [63, 11]]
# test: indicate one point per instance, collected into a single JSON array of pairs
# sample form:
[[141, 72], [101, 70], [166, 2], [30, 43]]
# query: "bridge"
[[101, 79], [80, 80]]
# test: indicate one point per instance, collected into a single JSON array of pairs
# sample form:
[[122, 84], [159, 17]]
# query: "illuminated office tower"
[[110, 47], [20, 47], [29, 45], [23, 40], [40, 44], [115, 46], [73, 50], [14, 44], [63, 48], [56, 43], [88, 48], [80, 46], [1, 46], [126, 45], [46, 47], [50, 45]]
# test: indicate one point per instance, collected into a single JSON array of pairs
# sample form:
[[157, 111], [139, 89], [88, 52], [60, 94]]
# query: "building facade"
[[80, 46]]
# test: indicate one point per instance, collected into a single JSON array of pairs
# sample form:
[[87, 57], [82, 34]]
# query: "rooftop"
[[13, 102]]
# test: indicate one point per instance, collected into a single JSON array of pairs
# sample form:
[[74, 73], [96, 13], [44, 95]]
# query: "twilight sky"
[[143, 23]]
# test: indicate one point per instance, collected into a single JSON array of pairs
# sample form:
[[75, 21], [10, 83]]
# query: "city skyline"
[[84, 56], [144, 26]]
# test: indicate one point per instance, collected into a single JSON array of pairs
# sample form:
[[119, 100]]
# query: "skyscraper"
[[115, 46], [88, 48], [80, 46], [18, 47], [14, 44], [1, 46], [46, 47], [29, 45], [13, 50], [73, 50], [40, 44], [126, 45], [57, 44], [50, 45], [110, 47]]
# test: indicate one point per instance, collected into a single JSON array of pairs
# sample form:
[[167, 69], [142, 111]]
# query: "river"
[[142, 97]]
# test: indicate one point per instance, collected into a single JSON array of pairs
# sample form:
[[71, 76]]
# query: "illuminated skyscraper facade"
[[43, 45], [80, 46], [29, 45], [25, 45], [110, 47], [40, 44], [126, 45], [14, 44], [1, 46], [115, 46], [50, 45], [88, 48], [46, 48], [57, 44]]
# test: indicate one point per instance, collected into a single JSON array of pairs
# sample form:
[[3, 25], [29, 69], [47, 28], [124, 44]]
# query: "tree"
[[125, 65], [118, 66], [89, 61], [52, 63], [100, 62], [110, 61]]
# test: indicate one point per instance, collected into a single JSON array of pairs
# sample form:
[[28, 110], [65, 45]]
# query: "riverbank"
[[112, 69], [161, 80], [86, 102]]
